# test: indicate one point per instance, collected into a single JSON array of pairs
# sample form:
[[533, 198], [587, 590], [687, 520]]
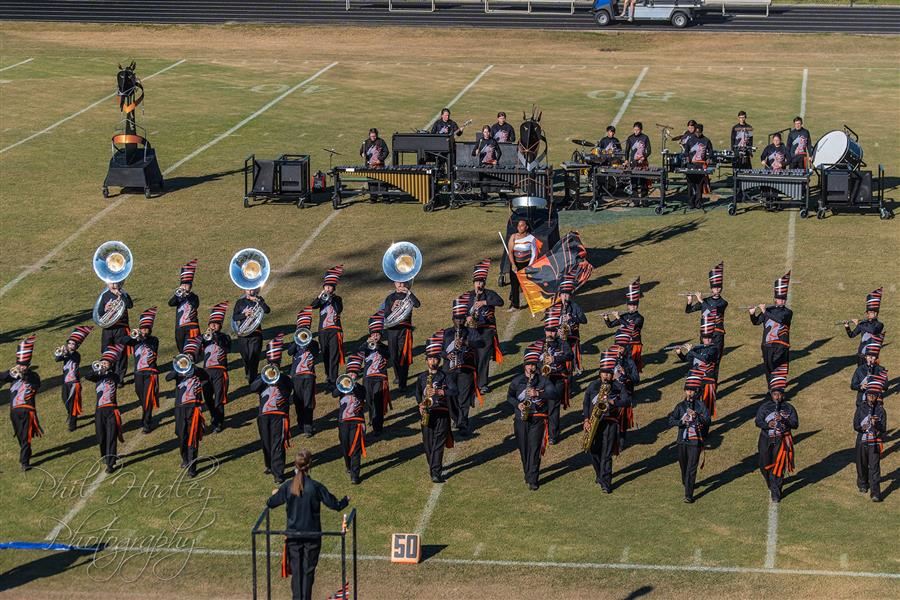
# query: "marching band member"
[[69, 356], [696, 302], [571, 319], [799, 143], [556, 355], [189, 423], [399, 336], [374, 150], [107, 418], [868, 328], [303, 374], [503, 131], [692, 420], [609, 147], [869, 370], [216, 346], [605, 443], [742, 142], [699, 154], [145, 347], [637, 156], [870, 423], [432, 396], [776, 420], [352, 419], [486, 149], [481, 305], [186, 303], [445, 125], [375, 356], [250, 346], [626, 371], [687, 139], [631, 318], [775, 156], [776, 322], [118, 332], [459, 349], [24, 387], [529, 393], [522, 248], [331, 334], [274, 420], [705, 358]]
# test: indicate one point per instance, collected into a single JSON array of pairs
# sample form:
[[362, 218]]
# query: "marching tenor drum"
[[837, 149]]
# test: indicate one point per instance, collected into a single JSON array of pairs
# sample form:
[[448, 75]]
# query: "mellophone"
[[416, 181]]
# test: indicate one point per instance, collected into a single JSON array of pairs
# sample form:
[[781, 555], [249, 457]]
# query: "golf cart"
[[678, 13]]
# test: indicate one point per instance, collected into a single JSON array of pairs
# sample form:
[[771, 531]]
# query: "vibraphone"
[[615, 182], [416, 181], [789, 187], [502, 180]]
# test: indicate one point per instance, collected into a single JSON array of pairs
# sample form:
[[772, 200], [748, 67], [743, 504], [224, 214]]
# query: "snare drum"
[[673, 161], [836, 148]]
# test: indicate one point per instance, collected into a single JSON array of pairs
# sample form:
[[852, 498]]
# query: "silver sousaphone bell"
[[249, 269], [112, 263], [401, 262], [183, 364]]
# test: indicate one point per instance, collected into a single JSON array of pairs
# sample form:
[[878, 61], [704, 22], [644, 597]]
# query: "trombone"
[[61, 351]]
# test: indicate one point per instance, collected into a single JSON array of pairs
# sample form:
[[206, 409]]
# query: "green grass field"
[[487, 536]]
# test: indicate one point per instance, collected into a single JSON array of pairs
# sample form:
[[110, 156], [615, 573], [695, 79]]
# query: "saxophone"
[[596, 414], [457, 357], [547, 360], [528, 403], [428, 401]]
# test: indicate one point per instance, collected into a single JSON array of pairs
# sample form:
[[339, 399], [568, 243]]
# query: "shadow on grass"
[[64, 322], [47, 566]]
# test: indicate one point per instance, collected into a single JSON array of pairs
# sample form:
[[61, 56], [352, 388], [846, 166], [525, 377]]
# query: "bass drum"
[[836, 148]]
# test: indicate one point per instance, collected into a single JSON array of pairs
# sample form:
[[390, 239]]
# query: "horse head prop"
[[531, 134]]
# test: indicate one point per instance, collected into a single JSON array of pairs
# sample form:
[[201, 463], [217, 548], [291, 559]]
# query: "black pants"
[[250, 349], [143, 382], [774, 355], [271, 434], [330, 341], [768, 450], [797, 162], [484, 354], [602, 451], [462, 386], [434, 438], [107, 434], [68, 398], [695, 190], [529, 437], [184, 416], [303, 556], [183, 333], [688, 460], [554, 408], [374, 387], [741, 160], [21, 421], [347, 432], [304, 400], [215, 393], [868, 468], [396, 339], [116, 335], [514, 288]]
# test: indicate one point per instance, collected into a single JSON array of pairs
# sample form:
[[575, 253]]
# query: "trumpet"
[[61, 351], [180, 292], [208, 334], [372, 344], [344, 384], [324, 296], [135, 334], [302, 337], [98, 367]]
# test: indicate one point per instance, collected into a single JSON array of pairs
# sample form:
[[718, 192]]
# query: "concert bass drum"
[[836, 148]]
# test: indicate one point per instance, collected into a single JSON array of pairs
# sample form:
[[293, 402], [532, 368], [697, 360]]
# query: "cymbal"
[[584, 143], [332, 151]]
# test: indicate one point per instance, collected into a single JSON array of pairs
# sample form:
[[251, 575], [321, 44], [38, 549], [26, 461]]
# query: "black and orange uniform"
[[487, 151], [146, 377], [637, 153], [704, 358], [352, 425], [699, 155], [374, 152], [776, 422], [870, 423], [107, 418], [216, 346], [713, 306], [870, 329], [459, 364], [117, 333], [23, 411], [572, 316], [400, 338], [776, 340], [186, 324], [375, 382], [799, 143], [303, 378], [742, 145], [606, 442], [863, 375], [274, 422], [775, 157], [71, 386], [530, 428], [249, 346], [301, 554], [692, 420], [632, 323], [560, 358], [436, 434], [331, 334], [485, 326], [189, 422]]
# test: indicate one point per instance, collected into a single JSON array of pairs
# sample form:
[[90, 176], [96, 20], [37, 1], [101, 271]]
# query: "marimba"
[[416, 181]]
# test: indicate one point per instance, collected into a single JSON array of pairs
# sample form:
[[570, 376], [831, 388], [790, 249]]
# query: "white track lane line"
[[26, 61]]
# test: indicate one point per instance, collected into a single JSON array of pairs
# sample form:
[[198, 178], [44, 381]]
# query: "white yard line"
[[629, 97], [772, 536], [100, 215], [803, 93], [26, 61], [82, 111], [461, 93]]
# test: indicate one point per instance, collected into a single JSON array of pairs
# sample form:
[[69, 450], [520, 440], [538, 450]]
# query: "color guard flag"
[[540, 280]]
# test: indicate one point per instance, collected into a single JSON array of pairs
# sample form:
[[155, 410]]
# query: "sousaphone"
[[401, 262]]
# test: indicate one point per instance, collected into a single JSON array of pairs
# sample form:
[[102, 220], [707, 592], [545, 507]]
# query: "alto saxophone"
[[528, 403], [596, 414], [429, 399], [457, 357], [547, 366]]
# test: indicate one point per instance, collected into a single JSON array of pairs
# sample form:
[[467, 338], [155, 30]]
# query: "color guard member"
[[303, 373], [331, 334], [776, 420], [776, 322], [69, 356], [186, 303], [24, 387], [523, 249], [432, 396]]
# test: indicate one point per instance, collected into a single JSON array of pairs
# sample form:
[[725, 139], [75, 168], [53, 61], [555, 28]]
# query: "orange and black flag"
[[540, 280]]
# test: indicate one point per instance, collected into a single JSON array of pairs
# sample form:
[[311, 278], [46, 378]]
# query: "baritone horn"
[[401, 263], [112, 263]]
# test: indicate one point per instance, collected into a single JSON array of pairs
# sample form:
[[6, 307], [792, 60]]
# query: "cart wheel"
[[594, 206], [658, 210], [336, 201], [804, 213], [428, 207], [732, 210], [246, 202], [603, 18], [106, 192], [147, 192], [820, 214], [834, 211], [885, 214]]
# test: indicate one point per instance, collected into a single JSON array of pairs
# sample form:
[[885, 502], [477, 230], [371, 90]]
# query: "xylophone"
[[417, 181], [497, 179], [615, 182], [772, 187]]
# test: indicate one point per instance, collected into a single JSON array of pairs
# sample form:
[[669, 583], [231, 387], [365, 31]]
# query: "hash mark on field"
[[698, 556], [27, 60], [551, 552], [479, 548], [625, 552], [845, 561], [83, 110]]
